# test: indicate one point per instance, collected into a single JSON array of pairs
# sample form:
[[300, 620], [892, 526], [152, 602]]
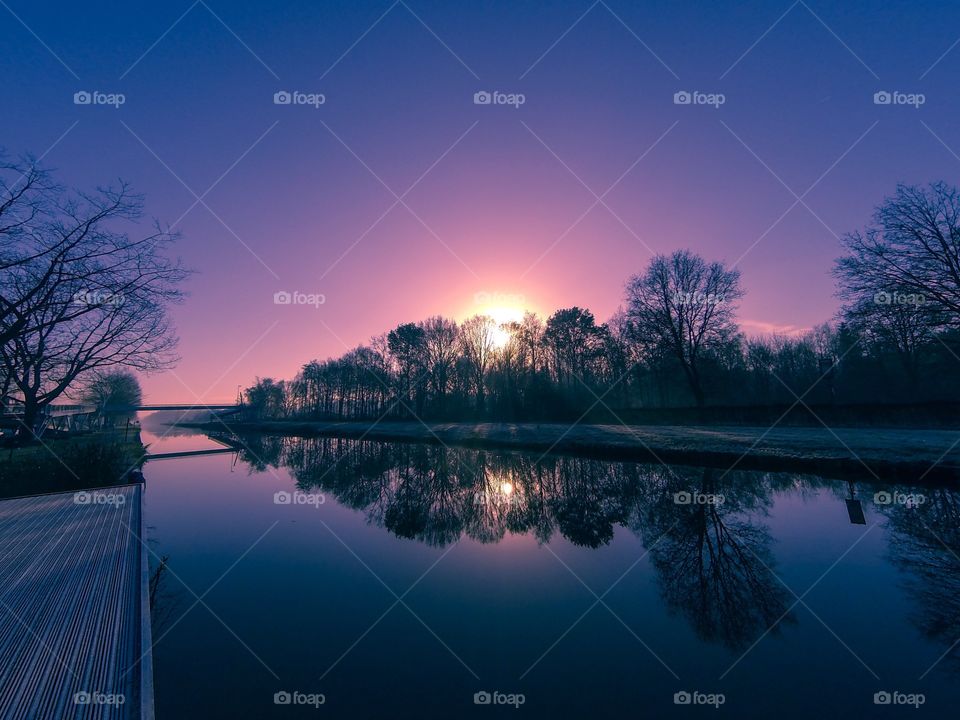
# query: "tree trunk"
[[31, 418]]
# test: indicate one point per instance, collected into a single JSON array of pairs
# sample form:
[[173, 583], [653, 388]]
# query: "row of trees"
[[83, 291], [674, 342]]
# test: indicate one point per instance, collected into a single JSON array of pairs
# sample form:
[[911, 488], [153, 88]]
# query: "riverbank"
[[87, 460], [891, 454]]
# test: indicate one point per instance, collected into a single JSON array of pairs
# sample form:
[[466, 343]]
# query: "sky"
[[400, 196]]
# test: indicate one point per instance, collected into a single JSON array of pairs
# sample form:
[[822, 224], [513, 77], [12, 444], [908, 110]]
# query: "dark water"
[[402, 579]]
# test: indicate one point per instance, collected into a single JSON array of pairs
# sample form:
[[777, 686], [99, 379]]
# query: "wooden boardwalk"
[[74, 607]]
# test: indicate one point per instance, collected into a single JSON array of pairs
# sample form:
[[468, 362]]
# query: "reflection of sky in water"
[[161, 438], [300, 598]]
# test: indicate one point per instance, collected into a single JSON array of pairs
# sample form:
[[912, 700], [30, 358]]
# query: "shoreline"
[[909, 456], [81, 461]]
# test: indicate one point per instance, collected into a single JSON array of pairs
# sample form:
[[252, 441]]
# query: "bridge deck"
[[74, 609]]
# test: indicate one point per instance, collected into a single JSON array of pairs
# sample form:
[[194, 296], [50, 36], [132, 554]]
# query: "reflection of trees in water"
[[262, 451], [713, 557], [925, 543], [166, 603], [435, 494]]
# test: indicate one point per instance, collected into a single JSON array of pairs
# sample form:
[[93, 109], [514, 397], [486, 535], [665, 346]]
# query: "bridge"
[[119, 409]]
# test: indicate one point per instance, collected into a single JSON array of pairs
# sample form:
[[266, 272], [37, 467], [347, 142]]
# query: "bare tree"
[[26, 192], [440, 352], [684, 305], [911, 247], [78, 293], [406, 346], [477, 344]]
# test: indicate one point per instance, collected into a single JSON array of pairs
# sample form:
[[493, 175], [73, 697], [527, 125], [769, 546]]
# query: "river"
[[410, 580]]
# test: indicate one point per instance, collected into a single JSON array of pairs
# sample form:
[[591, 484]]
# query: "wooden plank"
[[72, 610]]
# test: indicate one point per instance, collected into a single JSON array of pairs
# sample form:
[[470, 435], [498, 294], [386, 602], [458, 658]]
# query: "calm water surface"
[[398, 580]]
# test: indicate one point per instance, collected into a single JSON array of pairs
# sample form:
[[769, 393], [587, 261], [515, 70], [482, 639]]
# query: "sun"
[[502, 315], [502, 308]]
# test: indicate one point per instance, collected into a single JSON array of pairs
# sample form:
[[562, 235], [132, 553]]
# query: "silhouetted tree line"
[[675, 342]]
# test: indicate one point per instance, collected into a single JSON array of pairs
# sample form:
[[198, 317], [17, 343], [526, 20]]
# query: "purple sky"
[[505, 199]]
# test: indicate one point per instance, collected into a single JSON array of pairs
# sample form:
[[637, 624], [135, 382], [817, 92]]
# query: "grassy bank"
[[89, 460], [889, 454]]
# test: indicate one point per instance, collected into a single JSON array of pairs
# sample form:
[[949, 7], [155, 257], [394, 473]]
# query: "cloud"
[[758, 327]]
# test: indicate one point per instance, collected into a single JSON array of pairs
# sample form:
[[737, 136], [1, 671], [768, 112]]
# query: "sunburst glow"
[[502, 315]]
